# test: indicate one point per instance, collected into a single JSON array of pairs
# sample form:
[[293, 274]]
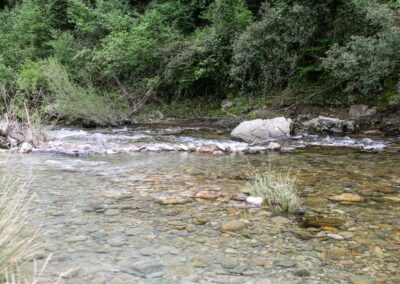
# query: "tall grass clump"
[[17, 245], [277, 189]]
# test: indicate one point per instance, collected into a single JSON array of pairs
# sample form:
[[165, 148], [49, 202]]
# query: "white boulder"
[[260, 130]]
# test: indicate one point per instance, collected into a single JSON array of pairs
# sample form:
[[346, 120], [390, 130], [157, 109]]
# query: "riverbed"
[[110, 216]]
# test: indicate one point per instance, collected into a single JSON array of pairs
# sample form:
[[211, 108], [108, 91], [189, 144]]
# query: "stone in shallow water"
[[303, 234], [183, 148], [172, 200], [199, 261], [207, 194], [258, 261], [178, 225], [228, 263], [255, 131], [322, 219], [205, 149], [166, 147], [75, 239], [273, 146], [279, 220], [361, 280], [302, 273], [220, 147], [285, 263], [335, 236], [288, 149], [200, 220], [190, 228], [179, 271], [134, 231], [315, 200], [378, 252], [153, 149], [25, 148], [392, 198], [218, 153], [234, 226], [146, 267], [116, 242], [111, 212], [347, 197], [98, 280]]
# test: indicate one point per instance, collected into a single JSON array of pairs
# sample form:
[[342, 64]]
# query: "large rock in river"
[[260, 130]]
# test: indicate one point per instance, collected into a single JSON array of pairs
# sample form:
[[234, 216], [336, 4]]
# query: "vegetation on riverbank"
[[102, 62]]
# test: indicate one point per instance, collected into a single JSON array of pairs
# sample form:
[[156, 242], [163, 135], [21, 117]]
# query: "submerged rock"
[[200, 220], [302, 273], [205, 149], [322, 219], [25, 148], [392, 198], [254, 150], [208, 195], [347, 197], [285, 263], [361, 280], [234, 226], [279, 220], [273, 146], [183, 148], [256, 131], [172, 200], [218, 153]]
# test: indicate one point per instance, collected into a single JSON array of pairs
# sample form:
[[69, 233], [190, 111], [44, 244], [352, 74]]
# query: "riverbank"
[[374, 120]]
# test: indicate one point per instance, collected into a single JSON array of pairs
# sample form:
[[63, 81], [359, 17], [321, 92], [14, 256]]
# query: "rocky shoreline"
[[257, 137], [353, 119]]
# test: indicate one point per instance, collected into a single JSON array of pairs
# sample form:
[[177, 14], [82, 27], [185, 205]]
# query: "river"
[[99, 204]]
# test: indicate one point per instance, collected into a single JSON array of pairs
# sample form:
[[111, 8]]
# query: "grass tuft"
[[17, 245], [278, 189]]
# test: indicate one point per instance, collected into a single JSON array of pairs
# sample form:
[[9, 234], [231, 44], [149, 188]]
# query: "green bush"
[[121, 52], [268, 53], [76, 103], [362, 64], [30, 79]]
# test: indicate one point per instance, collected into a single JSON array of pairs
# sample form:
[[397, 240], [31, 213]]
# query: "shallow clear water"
[[103, 221]]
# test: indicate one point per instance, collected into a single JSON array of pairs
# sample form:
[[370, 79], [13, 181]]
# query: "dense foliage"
[[102, 58]]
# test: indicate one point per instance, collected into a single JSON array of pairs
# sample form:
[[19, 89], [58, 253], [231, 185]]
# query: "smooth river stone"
[[392, 198], [347, 197], [234, 226], [112, 212], [361, 280], [172, 200], [207, 194]]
